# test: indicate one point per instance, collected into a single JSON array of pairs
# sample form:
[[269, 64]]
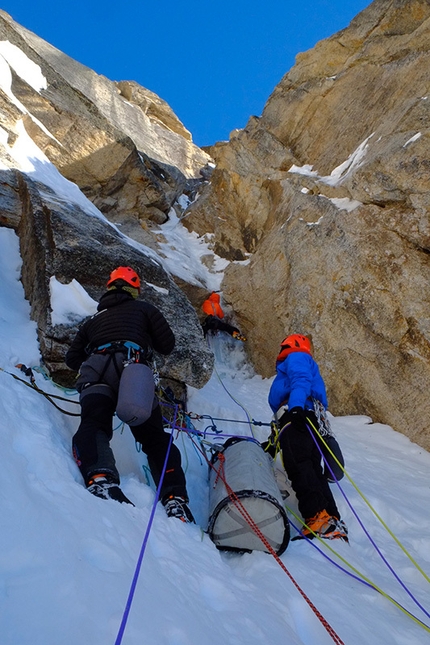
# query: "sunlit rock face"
[[121, 144], [128, 154], [322, 204]]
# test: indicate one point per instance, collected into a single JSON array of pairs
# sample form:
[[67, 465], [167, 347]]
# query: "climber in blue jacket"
[[297, 381], [297, 384]]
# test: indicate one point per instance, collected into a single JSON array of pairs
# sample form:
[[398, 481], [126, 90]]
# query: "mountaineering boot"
[[238, 336], [177, 507], [324, 526], [101, 486]]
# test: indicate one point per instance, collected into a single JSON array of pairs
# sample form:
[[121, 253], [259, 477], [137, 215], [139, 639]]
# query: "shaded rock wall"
[[52, 243]]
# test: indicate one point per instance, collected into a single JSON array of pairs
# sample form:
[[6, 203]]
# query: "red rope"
[[220, 472], [242, 510]]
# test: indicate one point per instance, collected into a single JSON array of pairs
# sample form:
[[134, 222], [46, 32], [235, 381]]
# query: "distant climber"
[[214, 318], [297, 384], [112, 352]]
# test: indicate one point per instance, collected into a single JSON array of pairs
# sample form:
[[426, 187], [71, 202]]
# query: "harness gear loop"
[[134, 353]]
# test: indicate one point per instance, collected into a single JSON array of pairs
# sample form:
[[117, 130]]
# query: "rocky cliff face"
[[322, 204], [126, 151]]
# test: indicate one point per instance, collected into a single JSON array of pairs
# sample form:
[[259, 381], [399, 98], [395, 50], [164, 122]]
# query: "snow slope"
[[68, 559]]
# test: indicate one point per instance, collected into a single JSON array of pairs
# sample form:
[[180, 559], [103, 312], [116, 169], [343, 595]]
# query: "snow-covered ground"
[[67, 559]]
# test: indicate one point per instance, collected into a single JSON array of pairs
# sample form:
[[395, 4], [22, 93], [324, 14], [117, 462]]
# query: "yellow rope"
[[405, 551], [361, 575]]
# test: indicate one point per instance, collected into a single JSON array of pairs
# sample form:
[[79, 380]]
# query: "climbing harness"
[[134, 352], [121, 353]]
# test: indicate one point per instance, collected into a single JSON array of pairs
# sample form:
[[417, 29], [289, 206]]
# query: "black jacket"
[[120, 317]]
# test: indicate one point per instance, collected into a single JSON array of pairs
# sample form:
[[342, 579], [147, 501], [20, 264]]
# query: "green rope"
[[47, 396], [361, 575], [405, 551], [41, 369]]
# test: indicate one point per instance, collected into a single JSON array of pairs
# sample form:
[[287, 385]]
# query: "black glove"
[[271, 445], [297, 417]]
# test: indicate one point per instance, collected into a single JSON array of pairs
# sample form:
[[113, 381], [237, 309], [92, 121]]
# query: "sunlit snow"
[[344, 203], [341, 172], [23, 66], [69, 302], [185, 254], [412, 139]]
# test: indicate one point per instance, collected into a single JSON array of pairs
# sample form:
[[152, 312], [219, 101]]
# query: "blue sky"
[[216, 64]]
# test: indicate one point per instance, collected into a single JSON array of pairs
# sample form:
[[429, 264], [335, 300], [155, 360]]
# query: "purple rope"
[[356, 577], [336, 564], [143, 548], [414, 599], [365, 530]]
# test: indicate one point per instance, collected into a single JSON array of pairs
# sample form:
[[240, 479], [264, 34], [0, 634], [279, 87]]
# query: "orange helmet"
[[124, 273], [294, 343]]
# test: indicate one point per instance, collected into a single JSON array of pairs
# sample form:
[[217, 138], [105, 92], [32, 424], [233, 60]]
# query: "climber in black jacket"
[[112, 351]]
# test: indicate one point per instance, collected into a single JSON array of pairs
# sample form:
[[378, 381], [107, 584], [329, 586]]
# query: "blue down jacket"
[[297, 381]]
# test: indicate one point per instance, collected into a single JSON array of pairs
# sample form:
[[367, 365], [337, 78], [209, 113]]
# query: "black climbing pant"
[[93, 454], [302, 462], [212, 323]]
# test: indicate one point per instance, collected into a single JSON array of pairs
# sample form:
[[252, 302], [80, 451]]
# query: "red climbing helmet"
[[124, 273], [294, 343]]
